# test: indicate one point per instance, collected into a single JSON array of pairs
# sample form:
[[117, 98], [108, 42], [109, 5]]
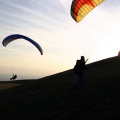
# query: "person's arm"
[[86, 61]]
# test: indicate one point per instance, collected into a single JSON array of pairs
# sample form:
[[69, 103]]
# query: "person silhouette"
[[14, 77], [81, 66]]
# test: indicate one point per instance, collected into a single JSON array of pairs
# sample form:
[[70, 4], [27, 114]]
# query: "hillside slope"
[[53, 98]]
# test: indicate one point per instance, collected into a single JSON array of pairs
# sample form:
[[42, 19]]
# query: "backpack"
[[76, 69]]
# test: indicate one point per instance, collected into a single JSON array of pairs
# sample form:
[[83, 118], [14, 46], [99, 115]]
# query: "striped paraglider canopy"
[[80, 8]]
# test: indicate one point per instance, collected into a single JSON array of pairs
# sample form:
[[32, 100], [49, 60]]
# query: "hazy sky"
[[49, 23]]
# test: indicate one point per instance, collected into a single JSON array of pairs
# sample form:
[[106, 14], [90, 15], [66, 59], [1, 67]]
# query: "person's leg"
[[76, 84], [81, 81]]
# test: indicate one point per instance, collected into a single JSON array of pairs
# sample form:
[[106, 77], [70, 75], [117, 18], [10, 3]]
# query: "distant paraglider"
[[80, 8], [14, 77], [13, 37]]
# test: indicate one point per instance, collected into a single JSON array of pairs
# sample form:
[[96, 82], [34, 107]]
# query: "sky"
[[63, 41]]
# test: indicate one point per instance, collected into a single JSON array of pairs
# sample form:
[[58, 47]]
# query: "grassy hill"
[[53, 98]]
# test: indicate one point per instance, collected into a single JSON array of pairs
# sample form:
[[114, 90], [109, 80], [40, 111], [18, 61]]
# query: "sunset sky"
[[50, 24]]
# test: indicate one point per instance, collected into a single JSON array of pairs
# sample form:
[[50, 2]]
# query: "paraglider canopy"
[[13, 37], [80, 8]]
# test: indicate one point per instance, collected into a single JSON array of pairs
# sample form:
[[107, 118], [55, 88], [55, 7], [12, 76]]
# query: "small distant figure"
[[79, 70], [119, 53], [14, 77]]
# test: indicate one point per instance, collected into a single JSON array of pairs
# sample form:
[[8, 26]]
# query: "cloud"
[[47, 14], [110, 6]]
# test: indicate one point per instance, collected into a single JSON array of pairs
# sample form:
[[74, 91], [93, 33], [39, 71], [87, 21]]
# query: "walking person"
[[79, 70]]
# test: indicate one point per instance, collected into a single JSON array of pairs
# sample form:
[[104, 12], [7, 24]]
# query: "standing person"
[[80, 66]]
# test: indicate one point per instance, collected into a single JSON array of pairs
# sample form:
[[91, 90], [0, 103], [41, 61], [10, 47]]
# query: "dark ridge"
[[53, 98]]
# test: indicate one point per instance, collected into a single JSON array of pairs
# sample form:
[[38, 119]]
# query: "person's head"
[[82, 58]]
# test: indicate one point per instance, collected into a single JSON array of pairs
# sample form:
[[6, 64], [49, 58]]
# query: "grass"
[[5, 86], [53, 98]]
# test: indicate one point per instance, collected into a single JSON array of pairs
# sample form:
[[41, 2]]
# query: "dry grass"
[[7, 86]]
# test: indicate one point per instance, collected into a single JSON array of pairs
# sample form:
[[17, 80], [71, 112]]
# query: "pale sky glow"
[[49, 23]]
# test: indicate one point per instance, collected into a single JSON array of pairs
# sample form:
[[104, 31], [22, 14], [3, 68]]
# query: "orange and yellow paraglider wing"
[[80, 8]]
